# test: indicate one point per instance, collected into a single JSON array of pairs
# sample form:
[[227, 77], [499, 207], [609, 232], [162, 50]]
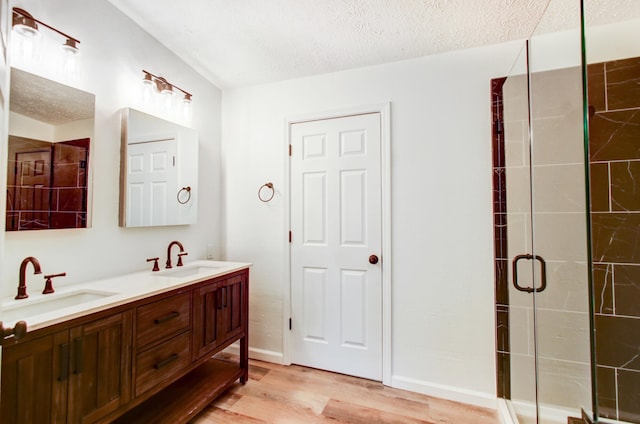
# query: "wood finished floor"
[[295, 394]]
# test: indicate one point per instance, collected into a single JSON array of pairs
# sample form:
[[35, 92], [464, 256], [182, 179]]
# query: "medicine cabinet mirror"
[[48, 174], [158, 172]]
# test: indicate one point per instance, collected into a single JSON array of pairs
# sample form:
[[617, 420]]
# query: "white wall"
[[74, 130], [114, 52], [442, 237], [23, 126]]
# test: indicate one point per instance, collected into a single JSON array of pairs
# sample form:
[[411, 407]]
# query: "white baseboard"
[[445, 392], [259, 354]]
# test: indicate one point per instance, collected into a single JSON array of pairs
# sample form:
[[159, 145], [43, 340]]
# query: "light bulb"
[[167, 99], [186, 107], [25, 48], [70, 61], [27, 32], [147, 88]]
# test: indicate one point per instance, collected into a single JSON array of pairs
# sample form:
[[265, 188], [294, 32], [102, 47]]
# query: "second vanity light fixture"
[[153, 84], [26, 26]]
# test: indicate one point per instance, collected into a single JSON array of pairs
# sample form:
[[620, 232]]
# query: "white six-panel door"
[[151, 183], [336, 226]]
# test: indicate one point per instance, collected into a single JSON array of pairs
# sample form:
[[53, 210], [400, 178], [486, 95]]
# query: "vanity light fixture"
[[25, 25], [160, 85]]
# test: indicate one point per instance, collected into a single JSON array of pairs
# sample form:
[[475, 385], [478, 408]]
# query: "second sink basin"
[[188, 271], [24, 308]]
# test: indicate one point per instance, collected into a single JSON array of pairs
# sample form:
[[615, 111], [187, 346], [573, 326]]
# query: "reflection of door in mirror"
[[46, 184], [151, 180], [28, 190], [48, 174], [158, 172]]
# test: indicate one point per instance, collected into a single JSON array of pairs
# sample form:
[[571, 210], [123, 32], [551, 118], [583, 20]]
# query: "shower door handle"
[[543, 273]]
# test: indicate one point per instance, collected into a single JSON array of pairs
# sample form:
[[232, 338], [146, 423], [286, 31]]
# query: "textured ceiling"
[[47, 101], [243, 42]]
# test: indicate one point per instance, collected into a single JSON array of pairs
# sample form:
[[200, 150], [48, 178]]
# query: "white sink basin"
[[188, 271], [22, 309]]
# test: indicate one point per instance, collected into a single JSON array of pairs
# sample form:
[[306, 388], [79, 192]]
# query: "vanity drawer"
[[162, 362], [158, 320]]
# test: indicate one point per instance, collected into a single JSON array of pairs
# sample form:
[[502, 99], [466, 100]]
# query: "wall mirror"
[[48, 174], [158, 172]]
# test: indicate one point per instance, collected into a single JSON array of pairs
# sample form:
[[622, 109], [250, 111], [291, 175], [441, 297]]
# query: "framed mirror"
[[48, 175], [158, 172]]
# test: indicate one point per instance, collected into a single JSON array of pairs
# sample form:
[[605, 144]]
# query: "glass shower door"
[[560, 210], [546, 221], [520, 372]]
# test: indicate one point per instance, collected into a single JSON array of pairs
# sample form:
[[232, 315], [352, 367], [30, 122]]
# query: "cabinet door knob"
[[373, 259], [19, 331]]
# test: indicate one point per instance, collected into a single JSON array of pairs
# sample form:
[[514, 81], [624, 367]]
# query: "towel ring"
[[266, 199], [188, 190]]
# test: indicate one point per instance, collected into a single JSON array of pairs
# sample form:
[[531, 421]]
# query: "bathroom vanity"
[[142, 354]]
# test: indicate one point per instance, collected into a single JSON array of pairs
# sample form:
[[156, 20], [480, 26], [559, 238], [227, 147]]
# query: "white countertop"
[[40, 310]]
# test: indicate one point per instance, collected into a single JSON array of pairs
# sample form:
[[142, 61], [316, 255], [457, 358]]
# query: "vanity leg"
[[244, 359]]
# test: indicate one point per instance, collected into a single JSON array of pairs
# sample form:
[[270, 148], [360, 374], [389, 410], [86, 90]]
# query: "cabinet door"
[[100, 367], [205, 319], [231, 312], [34, 381]]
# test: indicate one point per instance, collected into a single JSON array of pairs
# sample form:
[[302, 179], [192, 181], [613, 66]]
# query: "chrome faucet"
[[180, 255], [22, 285]]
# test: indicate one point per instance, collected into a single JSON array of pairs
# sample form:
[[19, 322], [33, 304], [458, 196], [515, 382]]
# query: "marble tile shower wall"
[[69, 189], [614, 132], [501, 258], [547, 179]]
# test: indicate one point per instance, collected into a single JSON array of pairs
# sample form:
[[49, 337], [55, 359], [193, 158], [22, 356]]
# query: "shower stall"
[[566, 176]]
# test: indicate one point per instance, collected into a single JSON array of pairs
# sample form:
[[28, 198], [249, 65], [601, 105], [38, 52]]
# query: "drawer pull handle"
[[166, 362], [166, 318]]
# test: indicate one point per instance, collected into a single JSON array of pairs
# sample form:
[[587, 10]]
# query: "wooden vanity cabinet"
[[219, 314], [32, 389], [99, 368], [149, 361], [76, 375]]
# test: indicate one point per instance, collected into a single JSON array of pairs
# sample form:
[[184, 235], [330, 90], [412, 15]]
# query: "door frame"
[[384, 109]]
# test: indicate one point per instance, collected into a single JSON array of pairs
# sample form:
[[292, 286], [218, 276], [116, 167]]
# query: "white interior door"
[[336, 224], [151, 183]]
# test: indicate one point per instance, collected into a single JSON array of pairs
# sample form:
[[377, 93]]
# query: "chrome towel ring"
[[266, 198], [187, 190]]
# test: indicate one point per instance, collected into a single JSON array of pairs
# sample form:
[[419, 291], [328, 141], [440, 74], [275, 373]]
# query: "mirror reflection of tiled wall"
[[47, 184], [614, 133]]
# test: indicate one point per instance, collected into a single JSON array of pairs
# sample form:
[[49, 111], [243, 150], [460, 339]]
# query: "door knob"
[[373, 259]]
